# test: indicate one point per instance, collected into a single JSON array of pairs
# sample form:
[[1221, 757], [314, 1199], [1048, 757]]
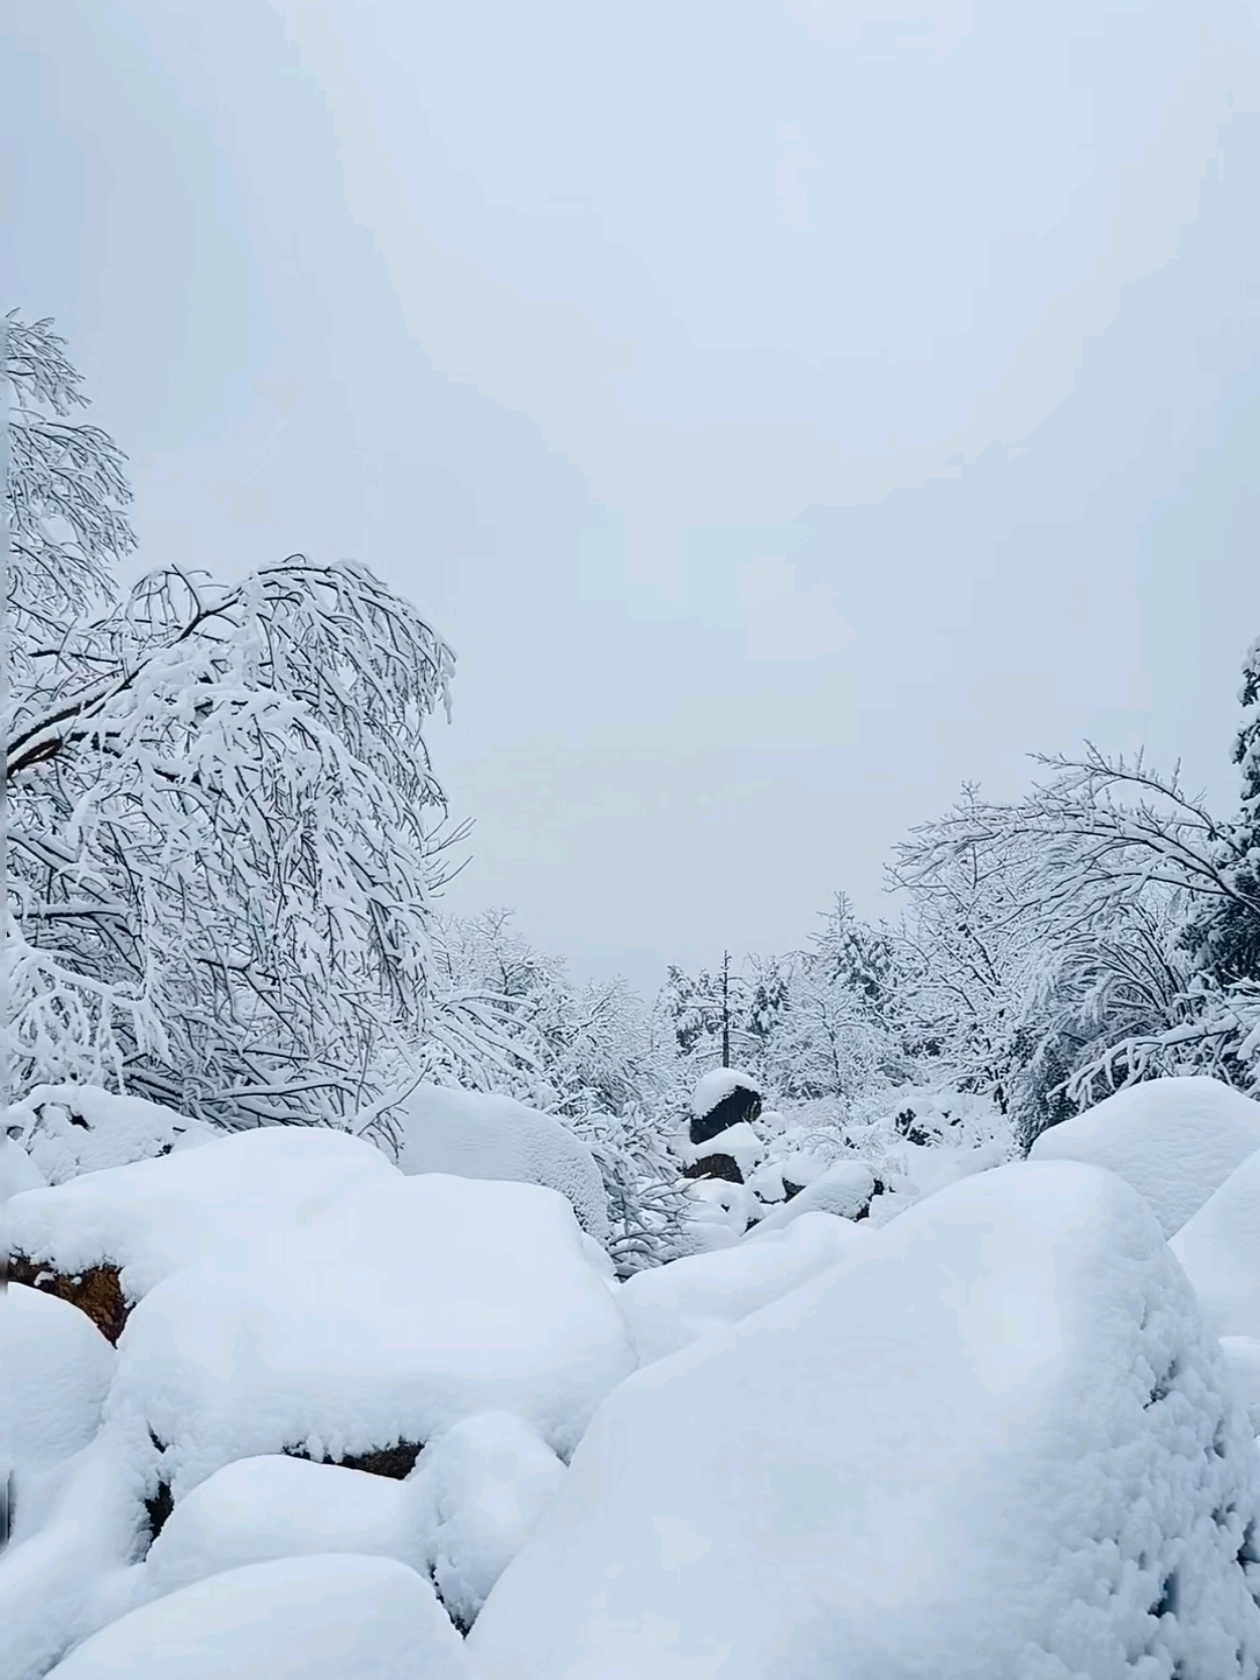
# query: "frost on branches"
[[222, 816]]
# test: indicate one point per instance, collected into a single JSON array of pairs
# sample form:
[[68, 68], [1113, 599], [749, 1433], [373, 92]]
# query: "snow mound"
[[715, 1087], [154, 1216], [312, 1618], [1242, 1360], [17, 1170], [991, 1442], [473, 1135], [673, 1305], [260, 1509], [740, 1142], [1220, 1251], [73, 1129], [55, 1371], [1174, 1140], [480, 1489], [384, 1316], [844, 1190]]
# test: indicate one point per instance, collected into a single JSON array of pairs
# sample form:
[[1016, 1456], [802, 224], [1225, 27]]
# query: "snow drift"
[[990, 1442]]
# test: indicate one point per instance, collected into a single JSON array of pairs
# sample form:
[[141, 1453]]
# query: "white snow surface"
[[990, 1443], [712, 1087], [1220, 1251], [478, 1491], [154, 1216], [1242, 1361], [17, 1170], [740, 1142], [55, 1371], [384, 1314], [475, 1135], [844, 1190], [311, 1618], [260, 1509], [673, 1305], [73, 1129], [1174, 1140]]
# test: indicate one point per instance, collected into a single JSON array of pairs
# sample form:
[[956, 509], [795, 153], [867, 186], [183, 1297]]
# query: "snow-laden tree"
[[223, 823]]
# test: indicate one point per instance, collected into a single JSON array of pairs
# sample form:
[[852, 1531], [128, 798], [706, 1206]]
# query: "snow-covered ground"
[[908, 1411]]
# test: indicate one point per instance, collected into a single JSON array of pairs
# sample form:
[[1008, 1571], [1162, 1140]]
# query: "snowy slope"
[[1174, 1140], [989, 1444], [1220, 1251]]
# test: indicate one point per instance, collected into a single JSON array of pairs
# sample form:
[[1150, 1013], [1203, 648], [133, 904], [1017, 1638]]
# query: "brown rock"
[[95, 1291]]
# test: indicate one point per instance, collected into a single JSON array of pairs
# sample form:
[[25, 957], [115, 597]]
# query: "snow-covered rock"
[[381, 1315], [1175, 1140], [844, 1190], [673, 1305], [474, 1135], [991, 1442], [154, 1216], [721, 1099], [740, 1142], [478, 1491], [1220, 1251], [72, 1129], [55, 1371], [311, 1618], [260, 1509]]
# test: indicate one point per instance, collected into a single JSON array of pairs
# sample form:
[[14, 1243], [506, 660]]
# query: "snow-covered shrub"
[[72, 1129], [992, 1441]]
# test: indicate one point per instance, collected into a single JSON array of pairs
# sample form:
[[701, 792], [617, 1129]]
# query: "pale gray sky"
[[788, 409]]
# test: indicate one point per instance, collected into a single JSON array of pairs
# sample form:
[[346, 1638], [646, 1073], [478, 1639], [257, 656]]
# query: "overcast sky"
[[788, 409]]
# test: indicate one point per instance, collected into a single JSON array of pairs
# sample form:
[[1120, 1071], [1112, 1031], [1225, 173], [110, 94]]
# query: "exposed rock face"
[[715, 1166], [95, 1291], [396, 1462]]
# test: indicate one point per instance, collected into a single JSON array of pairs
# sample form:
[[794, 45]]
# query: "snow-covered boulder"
[[259, 1509], [72, 1129], [55, 1371], [1220, 1251], [723, 1098], [478, 1491], [991, 1442], [311, 1618], [1175, 1140], [144, 1221], [474, 1135], [844, 1190], [382, 1317], [673, 1305]]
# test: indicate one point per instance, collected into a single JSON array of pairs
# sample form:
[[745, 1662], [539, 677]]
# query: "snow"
[[17, 1170], [990, 1442], [56, 1369], [844, 1190], [474, 1135], [740, 1142], [385, 1315], [154, 1216], [312, 1618], [479, 1490], [673, 1305], [1220, 1251], [713, 1087], [1242, 1360], [73, 1129], [1174, 1140], [260, 1509]]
